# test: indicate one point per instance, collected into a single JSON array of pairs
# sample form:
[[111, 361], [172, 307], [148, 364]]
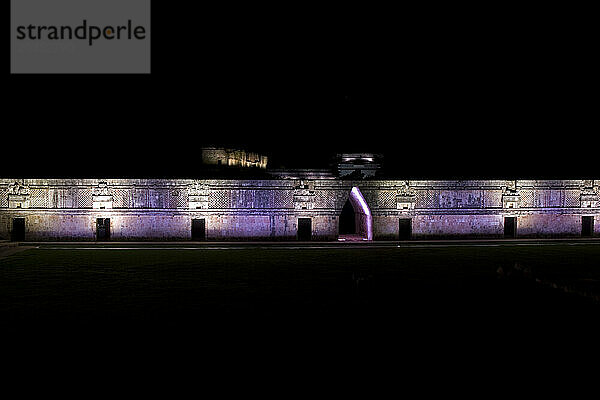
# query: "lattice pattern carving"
[[572, 198], [339, 198], [84, 198], [323, 196], [219, 199], [427, 198], [385, 199], [332, 198], [283, 199], [420, 198], [325, 199], [4, 198], [178, 199], [527, 198], [38, 198], [121, 198]]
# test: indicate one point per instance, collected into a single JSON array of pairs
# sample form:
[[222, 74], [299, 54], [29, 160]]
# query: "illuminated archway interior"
[[361, 226]]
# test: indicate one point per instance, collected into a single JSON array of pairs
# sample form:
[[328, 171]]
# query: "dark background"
[[440, 93]]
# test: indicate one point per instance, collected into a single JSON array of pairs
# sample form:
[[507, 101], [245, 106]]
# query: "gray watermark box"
[[80, 36]]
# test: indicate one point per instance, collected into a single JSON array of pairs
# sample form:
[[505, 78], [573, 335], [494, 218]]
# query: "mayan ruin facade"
[[295, 205]]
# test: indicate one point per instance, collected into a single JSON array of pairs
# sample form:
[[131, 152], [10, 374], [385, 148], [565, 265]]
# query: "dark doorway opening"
[[102, 229], [510, 227], [587, 226], [405, 228], [199, 229], [18, 230], [347, 219], [304, 229]]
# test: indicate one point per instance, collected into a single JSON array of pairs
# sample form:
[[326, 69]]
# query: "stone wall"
[[549, 225], [467, 226], [269, 209]]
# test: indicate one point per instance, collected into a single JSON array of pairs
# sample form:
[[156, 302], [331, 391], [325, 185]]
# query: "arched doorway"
[[355, 220]]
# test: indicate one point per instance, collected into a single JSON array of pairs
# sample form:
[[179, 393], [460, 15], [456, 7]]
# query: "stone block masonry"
[[270, 209]]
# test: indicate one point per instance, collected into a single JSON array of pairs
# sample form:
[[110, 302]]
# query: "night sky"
[[450, 101]]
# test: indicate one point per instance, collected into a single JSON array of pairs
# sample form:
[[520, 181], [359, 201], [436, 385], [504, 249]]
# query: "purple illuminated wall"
[[154, 209]]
